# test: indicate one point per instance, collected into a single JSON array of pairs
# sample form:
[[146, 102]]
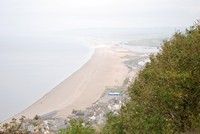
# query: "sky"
[[50, 15]]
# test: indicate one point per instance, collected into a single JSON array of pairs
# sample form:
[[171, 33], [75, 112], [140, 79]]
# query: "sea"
[[32, 64]]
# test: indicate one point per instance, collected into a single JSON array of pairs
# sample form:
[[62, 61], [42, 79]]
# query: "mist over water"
[[31, 65]]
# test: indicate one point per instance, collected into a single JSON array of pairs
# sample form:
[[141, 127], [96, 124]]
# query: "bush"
[[165, 97], [13, 127], [114, 125], [77, 126]]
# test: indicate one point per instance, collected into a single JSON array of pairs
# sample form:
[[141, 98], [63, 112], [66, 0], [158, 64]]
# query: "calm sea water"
[[31, 65]]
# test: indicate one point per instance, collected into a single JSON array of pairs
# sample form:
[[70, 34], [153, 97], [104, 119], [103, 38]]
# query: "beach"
[[105, 68]]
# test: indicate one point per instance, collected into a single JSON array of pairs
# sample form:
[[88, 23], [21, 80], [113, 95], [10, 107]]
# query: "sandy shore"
[[85, 86]]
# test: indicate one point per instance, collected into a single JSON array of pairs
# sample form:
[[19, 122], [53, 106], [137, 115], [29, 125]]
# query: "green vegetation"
[[114, 125], [165, 97], [77, 126]]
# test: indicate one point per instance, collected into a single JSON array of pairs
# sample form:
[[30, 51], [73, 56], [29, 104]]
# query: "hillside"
[[165, 97]]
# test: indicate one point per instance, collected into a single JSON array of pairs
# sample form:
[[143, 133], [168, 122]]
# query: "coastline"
[[82, 88], [27, 78]]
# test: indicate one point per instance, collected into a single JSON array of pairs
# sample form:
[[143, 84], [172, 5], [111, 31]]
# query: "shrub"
[[165, 97], [13, 127], [77, 126], [114, 125]]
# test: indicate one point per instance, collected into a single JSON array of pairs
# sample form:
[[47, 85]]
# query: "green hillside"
[[165, 97]]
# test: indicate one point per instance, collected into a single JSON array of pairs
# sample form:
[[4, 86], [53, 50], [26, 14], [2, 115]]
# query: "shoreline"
[[48, 70], [76, 98]]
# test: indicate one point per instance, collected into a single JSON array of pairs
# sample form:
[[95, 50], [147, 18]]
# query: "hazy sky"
[[49, 15]]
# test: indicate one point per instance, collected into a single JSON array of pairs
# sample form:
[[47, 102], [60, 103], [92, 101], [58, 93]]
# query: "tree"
[[165, 97]]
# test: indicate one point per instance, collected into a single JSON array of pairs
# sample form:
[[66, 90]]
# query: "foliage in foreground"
[[114, 125], [24, 126], [165, 97], [77, 126], [13, 127]]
